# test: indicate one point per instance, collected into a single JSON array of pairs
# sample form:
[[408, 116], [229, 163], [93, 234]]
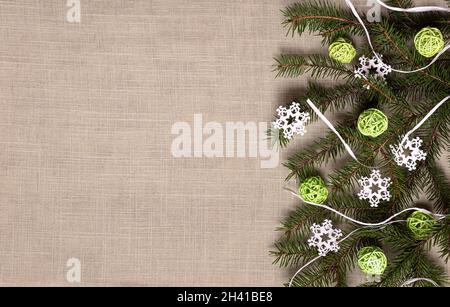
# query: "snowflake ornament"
[[324, 237], [372, 67], [374, 188], [408, 153], [291, 120]]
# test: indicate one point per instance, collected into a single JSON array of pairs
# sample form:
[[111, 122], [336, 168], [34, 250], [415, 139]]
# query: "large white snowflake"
[[373, 67], [374, 188], [291, 121], [408, 153], [324, 237]]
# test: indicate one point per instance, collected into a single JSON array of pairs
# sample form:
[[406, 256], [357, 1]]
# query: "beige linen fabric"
[[86, 168]]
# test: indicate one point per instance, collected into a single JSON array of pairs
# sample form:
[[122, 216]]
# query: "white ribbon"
[[410, 10]]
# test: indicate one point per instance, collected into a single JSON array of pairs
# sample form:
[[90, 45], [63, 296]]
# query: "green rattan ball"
[[429, 41], [314, 190], [372, 122], [342, 50], [421, 224], [372, 260]]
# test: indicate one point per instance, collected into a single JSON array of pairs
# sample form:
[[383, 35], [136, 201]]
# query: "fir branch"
[[437, 135], [402, 4], [346, 177], [414, 87], [352, 206], [379, 89], [387, 39], [322, 17], [413, 262], [401, 196], [298, 222], [276, 137], [405, 99], [291, 252], [293, 66], [438, 189], [337, 98], [332, 269], [326, 148], [313, 276], [442, 239]]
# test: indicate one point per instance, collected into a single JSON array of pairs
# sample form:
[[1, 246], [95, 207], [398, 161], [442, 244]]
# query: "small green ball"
[[429, 41], [421, 224], [342, 50], [372, 122], [372, 260], [314, 190]]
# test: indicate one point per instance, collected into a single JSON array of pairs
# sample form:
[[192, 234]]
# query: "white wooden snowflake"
[[291, 121], [324, 237], [373, 67], [374, 188], [408, 153]]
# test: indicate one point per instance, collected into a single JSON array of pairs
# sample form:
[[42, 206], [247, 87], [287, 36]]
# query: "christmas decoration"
[[429, 42], [372, 260], [374, 188], [342, 50], [372, 67], [412, 93], [314, 190], [408, 153], [291, 120], [415, 10], [372, 122], [421, 224], [324, 237]]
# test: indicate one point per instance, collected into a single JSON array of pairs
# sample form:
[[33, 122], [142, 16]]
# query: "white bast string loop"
[[418, 9], [413, 280], [382, 223]]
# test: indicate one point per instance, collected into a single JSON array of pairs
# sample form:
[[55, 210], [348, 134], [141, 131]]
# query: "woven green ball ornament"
[[342, 50], [372, 260], [372, 122], [421, 224], [314, 190], [429, 41]]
